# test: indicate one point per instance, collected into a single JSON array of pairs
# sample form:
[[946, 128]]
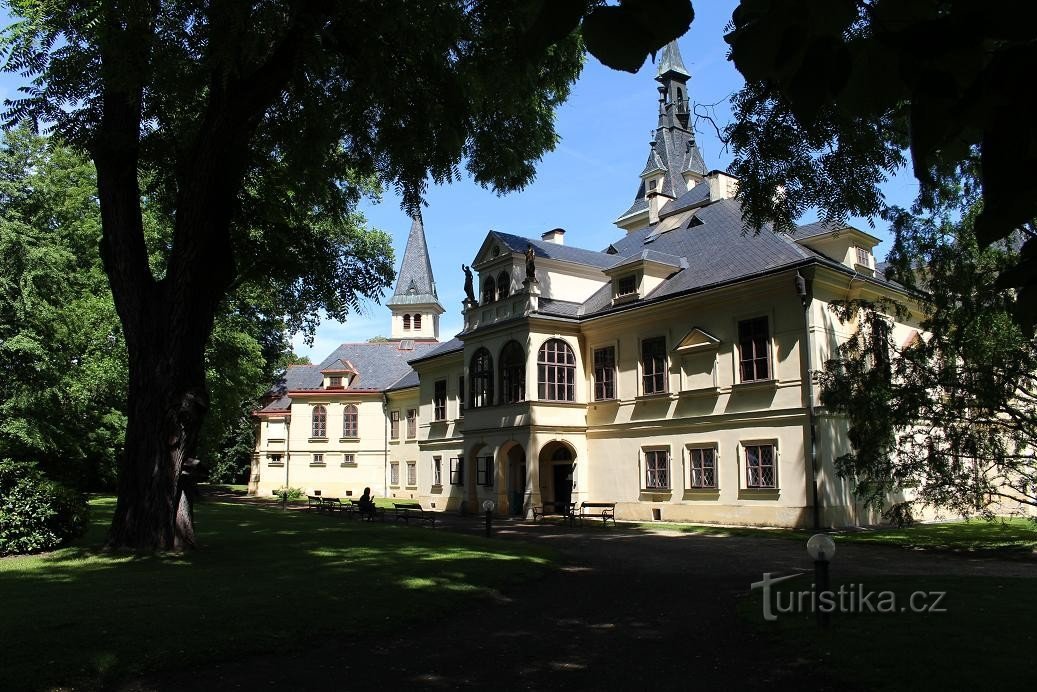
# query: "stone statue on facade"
[[469, 287], [530, 263]]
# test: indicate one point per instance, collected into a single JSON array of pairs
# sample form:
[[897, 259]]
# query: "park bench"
[[408, 511], [352, 507], [332, 504], [565, 509], [598, 510], [314, 502]]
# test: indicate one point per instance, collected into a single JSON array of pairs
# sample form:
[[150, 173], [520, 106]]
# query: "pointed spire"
[[415, 282], [671, 63]]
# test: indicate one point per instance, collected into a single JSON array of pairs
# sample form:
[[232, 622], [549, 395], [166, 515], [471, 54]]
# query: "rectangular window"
[[412, 473], [460, 396], [439, 400], [394, 425], [457, 471], [274, 460], [754, 349], [335, 382], [703, 467], [657, 469], [412, 423], [626, 285], [437, 471], [653, 365], [862, 257], [394, 473], [318, 460], [605, 373], [484, 471], [349, 460], [759, 466]]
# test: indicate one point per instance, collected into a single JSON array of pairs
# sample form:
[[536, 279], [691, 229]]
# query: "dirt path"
[[628, 609]]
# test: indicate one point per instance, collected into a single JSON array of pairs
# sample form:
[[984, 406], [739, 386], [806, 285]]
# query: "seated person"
[[366, 503]]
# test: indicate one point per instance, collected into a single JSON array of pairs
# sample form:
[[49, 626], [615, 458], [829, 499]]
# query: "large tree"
[[841, 93], [249, 124]]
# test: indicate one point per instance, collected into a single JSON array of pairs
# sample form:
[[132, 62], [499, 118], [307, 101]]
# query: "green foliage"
[[286, 494], [836, 91], [36, 514]]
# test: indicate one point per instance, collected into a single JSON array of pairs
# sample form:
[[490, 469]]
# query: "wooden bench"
[[314, 502], [408, 511], [595, 510], [332, 504], [353, 507], [565, 509]]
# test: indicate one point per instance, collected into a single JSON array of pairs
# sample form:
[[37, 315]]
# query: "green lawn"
[[263, 579], [982, 641], [1000, 536]]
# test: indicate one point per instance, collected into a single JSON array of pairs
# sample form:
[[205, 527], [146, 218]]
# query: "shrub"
[[899, 515], [288, 494], [35, 512]]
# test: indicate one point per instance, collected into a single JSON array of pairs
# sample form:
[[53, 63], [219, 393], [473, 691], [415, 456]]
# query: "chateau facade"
[[669, 371]]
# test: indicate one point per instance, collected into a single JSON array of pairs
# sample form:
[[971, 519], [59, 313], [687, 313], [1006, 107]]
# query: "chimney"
[[555, 235], [721, 185]]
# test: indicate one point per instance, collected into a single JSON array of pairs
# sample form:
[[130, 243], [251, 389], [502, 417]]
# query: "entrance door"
[[563, 483]]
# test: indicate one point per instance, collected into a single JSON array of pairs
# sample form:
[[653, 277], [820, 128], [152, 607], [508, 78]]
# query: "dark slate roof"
[[559, 308], [640, 203], [816, 228], [406, 382], [671, 61], [442, 349], [562, 253], [651, 256], [415, 284], [696, 196], [380, 365]]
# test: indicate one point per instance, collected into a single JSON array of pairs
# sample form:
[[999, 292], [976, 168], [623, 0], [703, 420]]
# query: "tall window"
[[653, 365], [394, 473], [481, 373], [412, 423], [460, 395], [657, 469], [437, 470], [350, 421], [457, 471], [489, 290], [394, 425], [406, 321], [439, 400], [556, 371], [862, 257], [503, 285], [512, 373], [319, 422], [754, 349], [759, 466], [484, 471], [412, 473], [417, 321], [605, 373], [703, 467]]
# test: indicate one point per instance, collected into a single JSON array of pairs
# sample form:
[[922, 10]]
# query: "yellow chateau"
[[668, 372]]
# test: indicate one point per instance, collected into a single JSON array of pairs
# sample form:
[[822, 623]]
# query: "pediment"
[[697, 340]]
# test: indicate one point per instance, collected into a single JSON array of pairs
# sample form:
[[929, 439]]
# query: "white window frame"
[[437, 472], [394, 474], [412, 474], [653, 449], [688, 448], [743, 464]]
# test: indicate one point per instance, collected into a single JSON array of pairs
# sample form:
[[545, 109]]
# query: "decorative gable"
[[338, 375], [697, 340]]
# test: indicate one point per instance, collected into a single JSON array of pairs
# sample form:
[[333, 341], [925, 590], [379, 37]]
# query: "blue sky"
[[582, 186]]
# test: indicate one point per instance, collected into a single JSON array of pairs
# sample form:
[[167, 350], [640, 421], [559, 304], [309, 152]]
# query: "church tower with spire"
[[415, 305], [675, 164]]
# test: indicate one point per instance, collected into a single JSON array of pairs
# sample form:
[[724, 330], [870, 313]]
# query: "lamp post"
[[488, 506], [821, 547]]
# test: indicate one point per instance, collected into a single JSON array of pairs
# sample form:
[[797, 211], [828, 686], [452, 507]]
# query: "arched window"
[[406, 321], [349, 421], [417, 321], [489, 290], [556, 371], [512, 373], [503, 285], [480, 372], [319, 422]]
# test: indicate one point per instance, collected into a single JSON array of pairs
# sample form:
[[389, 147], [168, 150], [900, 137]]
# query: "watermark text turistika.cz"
[[848, 598]]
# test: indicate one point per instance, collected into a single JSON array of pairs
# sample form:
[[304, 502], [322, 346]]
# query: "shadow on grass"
[[263, 579]]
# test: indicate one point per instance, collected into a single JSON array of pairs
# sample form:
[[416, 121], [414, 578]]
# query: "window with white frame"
[[457, 471], [703, 465], [556, 371], [657, 469], [412, 423], [349, 460], [394, 425], [605, 373], [754, 346], [317, 460], [439, 400], [759, 466], [484, 471], [350, 421], [394, 473], [412, 473], [437, 471], [654, 365], [319, 422], [863, 257]]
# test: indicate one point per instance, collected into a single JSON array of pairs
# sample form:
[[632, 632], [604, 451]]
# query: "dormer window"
[[863, 257], [626, 285], [653, 185], [335, 382]]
